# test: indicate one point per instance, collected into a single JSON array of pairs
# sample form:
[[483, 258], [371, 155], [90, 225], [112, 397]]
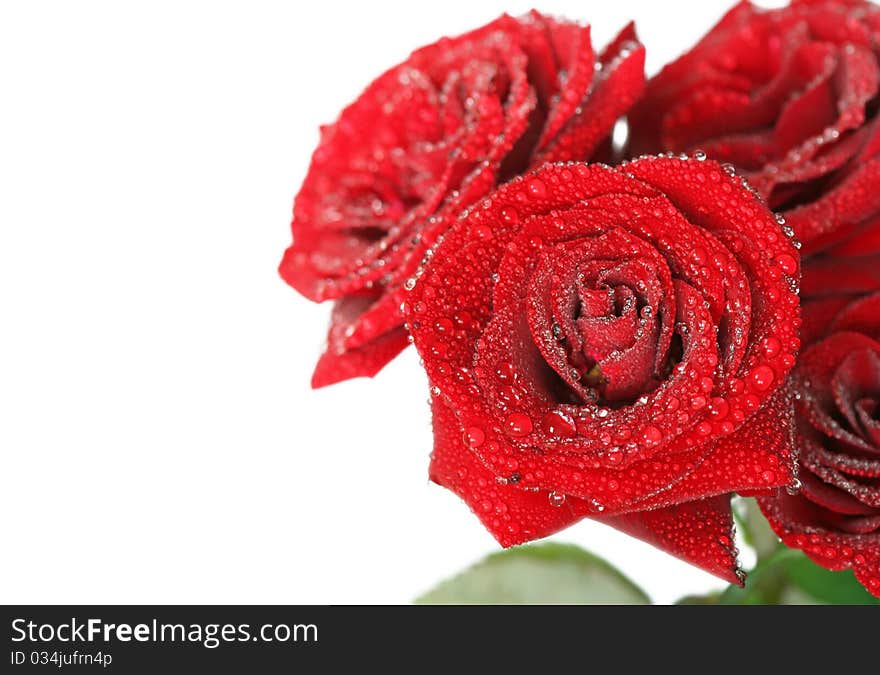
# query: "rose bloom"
[[612, 343], [429, 137], [789, 96], [835, 516]]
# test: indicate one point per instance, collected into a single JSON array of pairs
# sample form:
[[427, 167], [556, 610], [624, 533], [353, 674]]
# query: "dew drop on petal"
[[537, 188], [787, 263], [509, 215], [762, 377], [556, 423], [556, 499], [518, 424], [651, 436], [474, 437], [771, 346]]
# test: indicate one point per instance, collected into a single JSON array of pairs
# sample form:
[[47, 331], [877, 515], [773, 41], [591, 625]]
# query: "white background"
[[159, 440]]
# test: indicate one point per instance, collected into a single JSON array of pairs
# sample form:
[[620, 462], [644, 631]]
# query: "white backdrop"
[[159, 439]]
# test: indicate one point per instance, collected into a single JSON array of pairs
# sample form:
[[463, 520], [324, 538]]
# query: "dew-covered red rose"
[[612, 343], [789, 96], [835, 516], [429, 137]]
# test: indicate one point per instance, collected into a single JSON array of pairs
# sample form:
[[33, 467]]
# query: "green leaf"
[[764, 584], [753, 526], [538, 574], [788, 577], [833, 588]]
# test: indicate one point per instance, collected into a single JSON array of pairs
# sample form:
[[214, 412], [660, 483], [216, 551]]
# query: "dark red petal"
[[827, 276], [865, 493], [864, 240], [818, 315], [831, 497], [699, 532], [795, 519], [860, 316], [840, 210], [832, 108], [749, 150], [856, 377], [338, 363]]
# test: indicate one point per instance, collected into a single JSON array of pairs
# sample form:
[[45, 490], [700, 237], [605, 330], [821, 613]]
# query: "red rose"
[[426, 139], [789, 96], [612, 343], [835, 517]]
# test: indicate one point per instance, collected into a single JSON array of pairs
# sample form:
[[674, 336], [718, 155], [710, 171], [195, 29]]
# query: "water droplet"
[[474, 437], [771, 346], [463, 319], [556, 423], [537, 188], [613, 456], [518, 424], [556, 499], [718, 408], [762, 377], [438, 349], [651, 436], [509, 215], [483, 232], [787, 263], [506, 373]]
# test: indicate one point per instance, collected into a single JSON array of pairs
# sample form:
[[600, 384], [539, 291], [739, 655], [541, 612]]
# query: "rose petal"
[[338, 363], [699, 532], [511, 515]]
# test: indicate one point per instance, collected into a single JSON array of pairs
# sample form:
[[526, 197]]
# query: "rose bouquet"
[[629, 331]]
